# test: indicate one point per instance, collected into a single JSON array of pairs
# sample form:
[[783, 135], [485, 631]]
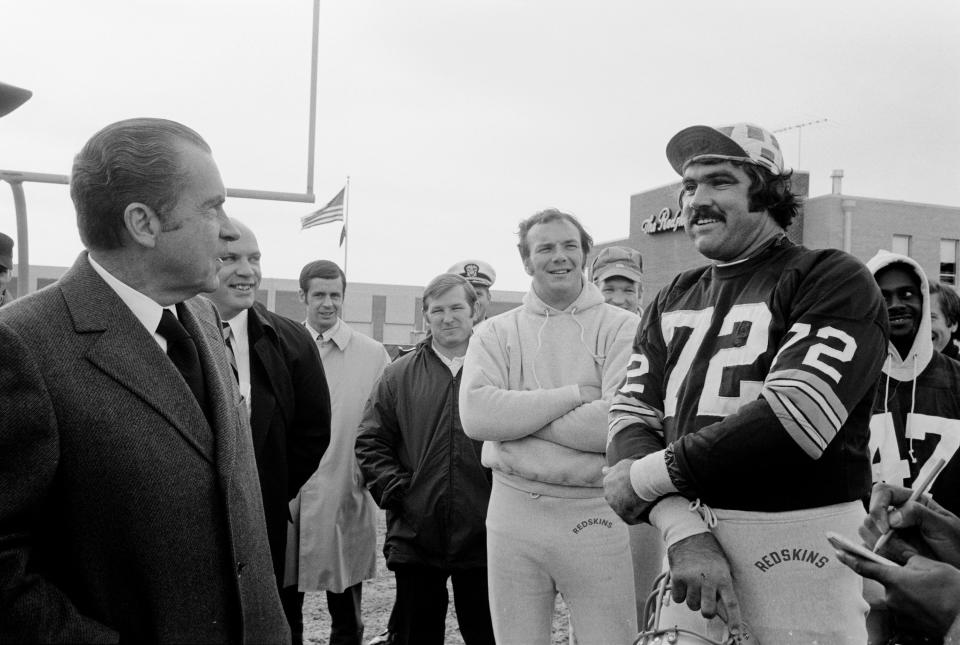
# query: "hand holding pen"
[[926, 541], [920, 486], [921, 526]]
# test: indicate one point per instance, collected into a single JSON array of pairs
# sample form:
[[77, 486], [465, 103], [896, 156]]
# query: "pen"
[[919, 488]]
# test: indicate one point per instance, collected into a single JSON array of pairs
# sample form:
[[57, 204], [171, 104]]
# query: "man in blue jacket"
[[420, 466]]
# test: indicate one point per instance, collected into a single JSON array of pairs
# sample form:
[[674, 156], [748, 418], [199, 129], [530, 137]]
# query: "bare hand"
[[700, 574], [589, 393], [619, 493], [925, 591], [922, 527]]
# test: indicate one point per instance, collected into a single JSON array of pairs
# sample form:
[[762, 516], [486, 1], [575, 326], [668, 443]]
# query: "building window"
[[901, 245], [948, 261]]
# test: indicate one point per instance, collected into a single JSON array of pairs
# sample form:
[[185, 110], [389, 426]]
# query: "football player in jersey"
[[742, 426], [916, 412]]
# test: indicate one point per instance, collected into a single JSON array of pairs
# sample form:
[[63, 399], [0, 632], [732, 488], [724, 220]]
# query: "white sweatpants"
[[791, 588], [538, 546]]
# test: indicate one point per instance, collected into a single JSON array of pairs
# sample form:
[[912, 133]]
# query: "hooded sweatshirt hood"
[[521, 391], [590, 296], [906, 368]]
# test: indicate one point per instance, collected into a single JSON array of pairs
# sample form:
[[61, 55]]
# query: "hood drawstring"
[[597, 358], [888, 418], [913, 402], [913, 405], [546, 319], [886, 387]]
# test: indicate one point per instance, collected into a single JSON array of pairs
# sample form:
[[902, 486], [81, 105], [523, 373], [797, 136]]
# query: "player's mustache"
[[706, 212]]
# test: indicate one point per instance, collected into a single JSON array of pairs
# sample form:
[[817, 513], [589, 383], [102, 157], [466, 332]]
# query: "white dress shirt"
[[240, 341], [323, 337], [143, 307], [325, 340], [453, 364]]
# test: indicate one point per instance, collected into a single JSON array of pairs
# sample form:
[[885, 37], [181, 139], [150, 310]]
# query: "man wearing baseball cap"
[[481, 276], [618, 273], [6, 266], [748, 398]]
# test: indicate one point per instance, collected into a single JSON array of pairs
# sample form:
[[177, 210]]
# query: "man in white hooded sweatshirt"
[[916, 412], [536, 387]]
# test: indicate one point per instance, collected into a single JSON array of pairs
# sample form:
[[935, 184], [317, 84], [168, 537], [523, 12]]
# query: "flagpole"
[[346, 220]]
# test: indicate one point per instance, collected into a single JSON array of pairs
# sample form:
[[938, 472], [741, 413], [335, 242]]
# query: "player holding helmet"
[[749, 390]]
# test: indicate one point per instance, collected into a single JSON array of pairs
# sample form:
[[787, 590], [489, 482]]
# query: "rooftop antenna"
[[799, 128]]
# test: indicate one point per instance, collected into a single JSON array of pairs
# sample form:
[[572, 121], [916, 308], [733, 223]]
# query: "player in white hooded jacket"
[[537, 384]]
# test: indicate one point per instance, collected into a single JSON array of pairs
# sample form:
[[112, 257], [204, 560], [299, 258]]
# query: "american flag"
[[332, 212]]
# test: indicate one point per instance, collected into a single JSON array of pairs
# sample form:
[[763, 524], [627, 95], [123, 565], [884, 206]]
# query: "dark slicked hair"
[[137, 160], [444, 283], [552, 215], [323, 269], [769, 192]]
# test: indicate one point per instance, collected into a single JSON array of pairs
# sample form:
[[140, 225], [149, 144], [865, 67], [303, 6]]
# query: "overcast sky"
[[456, 119]]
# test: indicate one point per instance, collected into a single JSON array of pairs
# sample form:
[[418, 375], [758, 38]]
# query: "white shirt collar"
[[453, 364], [317, 336], [333, 334], [143, 307], [330, 333], [238, 325]]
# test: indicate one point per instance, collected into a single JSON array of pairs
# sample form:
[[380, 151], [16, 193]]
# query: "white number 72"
[[712, 403]]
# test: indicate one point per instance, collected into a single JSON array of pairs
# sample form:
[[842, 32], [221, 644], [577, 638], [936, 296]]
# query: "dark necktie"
[[183, 353], [227, 338]]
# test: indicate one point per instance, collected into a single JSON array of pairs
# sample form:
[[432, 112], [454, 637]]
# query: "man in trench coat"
[[333, 548]]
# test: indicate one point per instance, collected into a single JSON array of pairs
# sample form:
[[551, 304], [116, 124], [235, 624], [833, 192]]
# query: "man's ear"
[[301, 296], [527, 266], [142, 224]]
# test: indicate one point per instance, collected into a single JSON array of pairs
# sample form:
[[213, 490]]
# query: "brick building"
[[392, 314], [928, 233]]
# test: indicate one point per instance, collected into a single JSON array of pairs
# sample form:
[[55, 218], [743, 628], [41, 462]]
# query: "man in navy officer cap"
[[481, 276]]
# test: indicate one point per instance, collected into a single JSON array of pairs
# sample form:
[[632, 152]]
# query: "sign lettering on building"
[[665, 220]]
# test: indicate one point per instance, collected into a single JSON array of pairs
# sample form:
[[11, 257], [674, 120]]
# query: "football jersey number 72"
[[712, 402]]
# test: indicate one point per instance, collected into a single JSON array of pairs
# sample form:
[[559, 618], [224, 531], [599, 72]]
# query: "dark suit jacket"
[[290, 416], [123, 514]]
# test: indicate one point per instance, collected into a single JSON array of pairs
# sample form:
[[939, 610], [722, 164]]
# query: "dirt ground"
[[378, 600]]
